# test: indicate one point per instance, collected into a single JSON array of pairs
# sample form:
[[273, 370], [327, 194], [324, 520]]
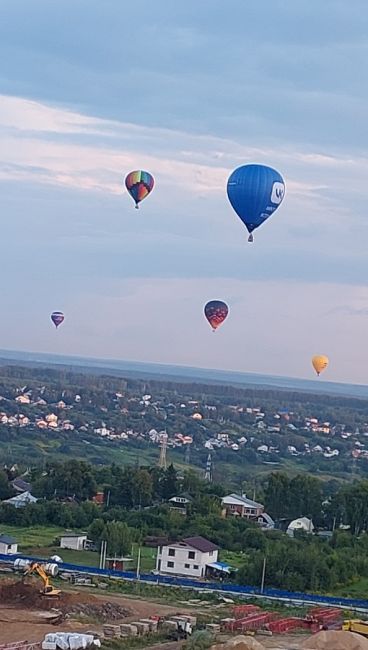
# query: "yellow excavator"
[[48, 589], [357, 626]]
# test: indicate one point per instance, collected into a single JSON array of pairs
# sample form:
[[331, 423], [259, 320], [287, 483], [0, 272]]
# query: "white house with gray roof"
[[8, 545], [189, 557]]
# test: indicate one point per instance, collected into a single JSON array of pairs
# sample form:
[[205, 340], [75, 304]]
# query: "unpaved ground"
[[25, 618], [24, 612], [283, 641]]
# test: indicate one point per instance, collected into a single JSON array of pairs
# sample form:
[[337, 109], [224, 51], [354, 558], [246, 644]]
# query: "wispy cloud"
[[36, 140]]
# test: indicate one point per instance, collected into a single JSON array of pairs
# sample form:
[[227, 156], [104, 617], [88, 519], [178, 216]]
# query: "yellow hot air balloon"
[[319, 363]]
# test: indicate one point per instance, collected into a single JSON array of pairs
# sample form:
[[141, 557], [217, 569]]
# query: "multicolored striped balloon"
[[57, 318], [216, 311], [139, 184]]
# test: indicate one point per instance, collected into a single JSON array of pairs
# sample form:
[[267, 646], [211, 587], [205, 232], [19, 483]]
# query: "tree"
[[169, 483], [96, 530], [6, 491], [277, 495], [118, 537]]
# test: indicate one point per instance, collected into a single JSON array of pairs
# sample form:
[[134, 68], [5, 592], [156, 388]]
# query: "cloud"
[[92, 90], [259, 74]]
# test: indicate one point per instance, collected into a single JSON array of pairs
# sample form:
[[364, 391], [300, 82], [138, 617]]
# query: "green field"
[[39, 541], [32, 537]]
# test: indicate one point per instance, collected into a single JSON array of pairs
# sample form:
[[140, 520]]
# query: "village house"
[[180, 503], [21, 500], [236, 505], [8, 545], [301, 524], [190, 557], [74, 541], [20, 486]]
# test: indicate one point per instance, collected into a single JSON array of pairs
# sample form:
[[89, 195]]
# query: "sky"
[[90, 90]]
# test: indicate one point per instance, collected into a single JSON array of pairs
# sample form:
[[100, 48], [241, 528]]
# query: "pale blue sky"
[[91, 89]]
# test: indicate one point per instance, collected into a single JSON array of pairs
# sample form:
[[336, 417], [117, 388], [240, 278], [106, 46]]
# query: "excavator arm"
[[48, 589]]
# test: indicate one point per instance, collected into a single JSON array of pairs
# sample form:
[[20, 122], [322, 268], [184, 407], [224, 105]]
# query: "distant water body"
[[183, 373]]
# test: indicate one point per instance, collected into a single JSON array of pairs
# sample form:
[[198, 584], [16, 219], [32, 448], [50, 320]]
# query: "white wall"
[[74, 543], [6, 549], [182, 563]]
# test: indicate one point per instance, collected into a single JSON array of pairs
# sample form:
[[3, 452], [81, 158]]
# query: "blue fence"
[[233, 589]]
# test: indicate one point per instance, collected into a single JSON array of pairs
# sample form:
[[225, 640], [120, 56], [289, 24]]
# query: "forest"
[[136, 506]]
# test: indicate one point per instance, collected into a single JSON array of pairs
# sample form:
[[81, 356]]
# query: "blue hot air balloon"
[[255, 192]]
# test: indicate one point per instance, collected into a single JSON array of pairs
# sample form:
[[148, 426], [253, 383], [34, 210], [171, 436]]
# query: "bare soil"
[[26, 615], [24, 612]]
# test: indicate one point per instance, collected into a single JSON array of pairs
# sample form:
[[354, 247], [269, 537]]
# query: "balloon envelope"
[[57, 318], [255, 192], [216, 311], [319, 363], [139, 184]]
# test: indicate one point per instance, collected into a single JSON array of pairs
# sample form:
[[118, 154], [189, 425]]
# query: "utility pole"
[[162, 461], [138, 563], [263, 574], [208, 473]]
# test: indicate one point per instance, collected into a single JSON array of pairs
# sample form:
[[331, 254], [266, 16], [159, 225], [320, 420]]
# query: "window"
[[172, 552], [191, 555], [187, 566], [196, 567], [170, 565], [210, 553]]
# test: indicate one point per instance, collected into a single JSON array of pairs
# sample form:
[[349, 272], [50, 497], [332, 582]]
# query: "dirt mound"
[[239, 643], [102, 611], [336, 640], [27, 595]]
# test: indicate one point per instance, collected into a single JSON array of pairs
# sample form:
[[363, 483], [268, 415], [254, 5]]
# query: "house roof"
[[21, 499], [73, 535], [302, 522], [6, 539], [184, 497], [201, 544], [20, 485], [220, 566], [240, 500], [268, 519]]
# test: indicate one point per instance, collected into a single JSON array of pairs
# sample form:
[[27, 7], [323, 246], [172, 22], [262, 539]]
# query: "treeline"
[[306, 563], [134, 488], [136, 505]]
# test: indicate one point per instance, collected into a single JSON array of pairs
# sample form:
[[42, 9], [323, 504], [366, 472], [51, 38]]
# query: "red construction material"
[[253, 621], [240, 611], [282, 625], [325, 615]]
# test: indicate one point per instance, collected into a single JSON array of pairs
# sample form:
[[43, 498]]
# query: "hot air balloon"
[[255, 192], [139, 184], [319, 363], [57, 318], [216, 311]]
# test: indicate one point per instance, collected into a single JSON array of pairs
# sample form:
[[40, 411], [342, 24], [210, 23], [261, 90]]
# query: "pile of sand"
[[336, 640], [239, 643]]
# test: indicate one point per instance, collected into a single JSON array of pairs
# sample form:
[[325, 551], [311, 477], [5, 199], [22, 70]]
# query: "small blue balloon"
[[255, 192]]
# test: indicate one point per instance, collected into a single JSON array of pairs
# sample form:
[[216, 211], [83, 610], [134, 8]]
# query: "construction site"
[[50, 618]]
